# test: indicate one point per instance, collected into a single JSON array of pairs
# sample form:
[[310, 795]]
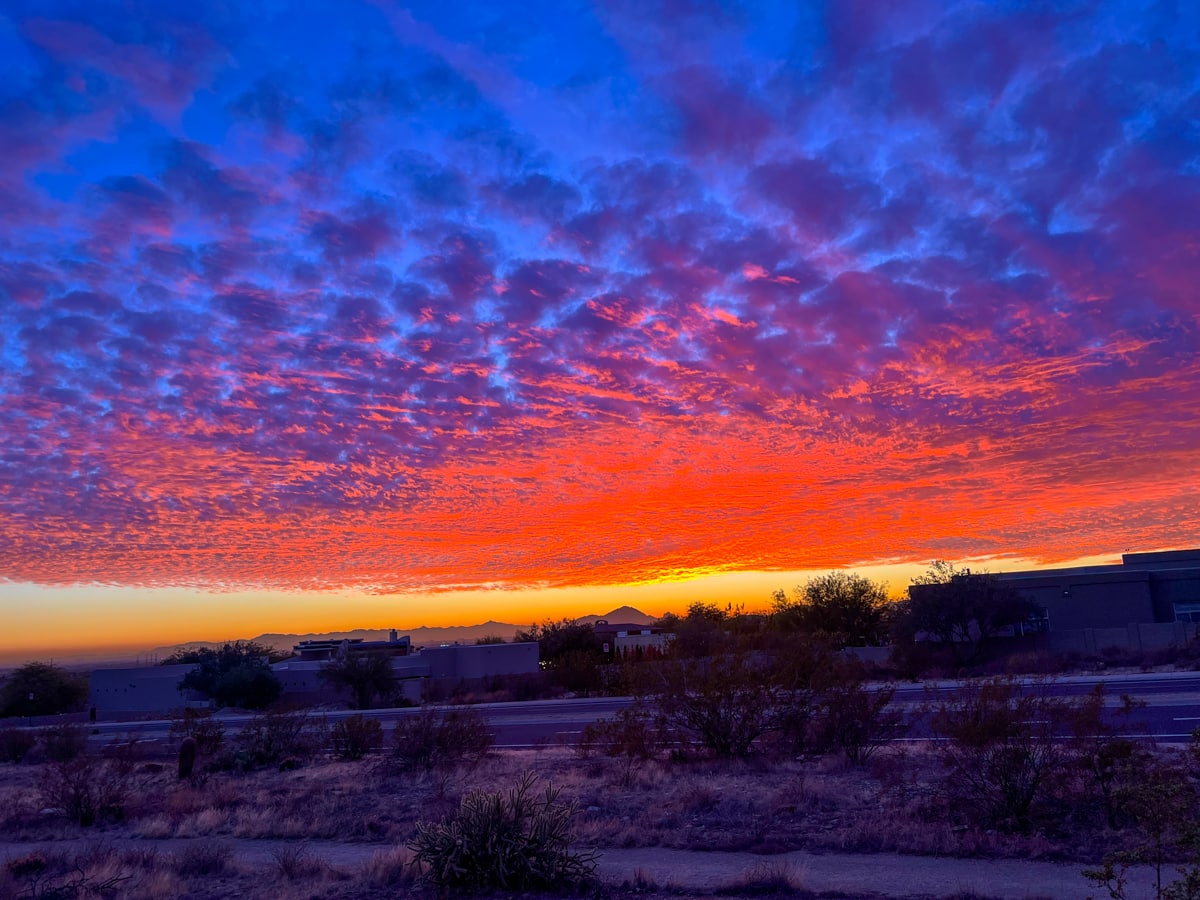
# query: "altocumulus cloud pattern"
[[345, 294]]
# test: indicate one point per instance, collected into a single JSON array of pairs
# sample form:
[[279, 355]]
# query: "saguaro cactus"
[[187, 757]]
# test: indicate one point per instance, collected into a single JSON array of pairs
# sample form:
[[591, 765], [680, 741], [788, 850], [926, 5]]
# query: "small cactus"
[[187, 757]]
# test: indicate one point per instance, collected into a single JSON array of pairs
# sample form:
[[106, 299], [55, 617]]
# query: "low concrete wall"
[[1135, 636], [878, 655], [139, 689]]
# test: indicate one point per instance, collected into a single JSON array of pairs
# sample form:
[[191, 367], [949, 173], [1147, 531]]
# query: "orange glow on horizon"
[[51, 622]]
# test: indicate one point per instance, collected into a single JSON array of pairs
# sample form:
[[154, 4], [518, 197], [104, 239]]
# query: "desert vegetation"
[[752, 732], [430, 807]]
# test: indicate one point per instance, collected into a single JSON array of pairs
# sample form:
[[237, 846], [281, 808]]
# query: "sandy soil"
[[682, 871]]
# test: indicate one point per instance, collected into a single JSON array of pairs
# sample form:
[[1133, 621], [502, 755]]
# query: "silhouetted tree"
[[365, 675], [702, 632], [41, 689], [237, 674], [570, 651], [845, 606], [700, 611], [962, 610]]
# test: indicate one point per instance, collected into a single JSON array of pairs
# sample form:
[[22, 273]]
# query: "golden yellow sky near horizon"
[[48, 621]]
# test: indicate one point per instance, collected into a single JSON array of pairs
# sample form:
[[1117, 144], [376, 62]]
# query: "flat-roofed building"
[[1148, 600]]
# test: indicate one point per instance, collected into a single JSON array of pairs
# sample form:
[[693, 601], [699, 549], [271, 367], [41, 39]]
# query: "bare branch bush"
[[438, 739], [1001, 748], [355, 736]]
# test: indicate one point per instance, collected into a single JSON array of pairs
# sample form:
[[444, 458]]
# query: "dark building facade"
[[1145, 587], [1149, 599]]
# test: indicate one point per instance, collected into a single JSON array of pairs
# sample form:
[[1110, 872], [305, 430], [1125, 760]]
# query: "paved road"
[[1171, 712], [516, 725], [1172, 699]]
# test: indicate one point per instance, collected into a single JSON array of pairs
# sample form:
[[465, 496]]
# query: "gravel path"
[[877, 874], [882, 874]]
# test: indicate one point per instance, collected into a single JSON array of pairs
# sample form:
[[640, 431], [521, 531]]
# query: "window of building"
[[1187, 611], [1037, 623]]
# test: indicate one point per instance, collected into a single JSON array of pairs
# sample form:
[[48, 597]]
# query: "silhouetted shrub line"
[[354, 737], [433, 738]]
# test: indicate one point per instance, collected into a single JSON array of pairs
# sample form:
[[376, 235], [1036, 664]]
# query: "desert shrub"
[[198, 724], [504, 841], [765, 879], [1163, 806], [391, 869], [633, 735], [433, 738], [855, 718], [356, 736], [633, 732], [1109, 763], [203, 858], [15, 744], [790, 695], [275, 737], [92, 872], [25, 875], [63, 742], [88, 789], [1001, 748], [296, 861], [726, 703]]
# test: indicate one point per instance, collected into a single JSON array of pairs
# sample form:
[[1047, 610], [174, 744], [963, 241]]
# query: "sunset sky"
[[346, 314]]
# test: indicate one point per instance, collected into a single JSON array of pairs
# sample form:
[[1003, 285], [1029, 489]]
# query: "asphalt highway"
[[1170, 713], [1168, 702]]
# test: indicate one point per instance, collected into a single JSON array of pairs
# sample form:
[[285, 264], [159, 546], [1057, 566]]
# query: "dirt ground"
[[656, 870], [337, 831]]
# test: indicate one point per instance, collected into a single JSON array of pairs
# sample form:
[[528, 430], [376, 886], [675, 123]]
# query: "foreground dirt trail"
[[680, 871], [881, 874]]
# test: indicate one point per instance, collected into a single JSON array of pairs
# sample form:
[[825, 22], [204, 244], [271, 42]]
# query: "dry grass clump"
[[773, 878], [95, 870], [391, 869], [295, 862]]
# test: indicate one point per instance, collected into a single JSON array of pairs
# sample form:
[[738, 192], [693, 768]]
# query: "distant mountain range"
[[422, 636]]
